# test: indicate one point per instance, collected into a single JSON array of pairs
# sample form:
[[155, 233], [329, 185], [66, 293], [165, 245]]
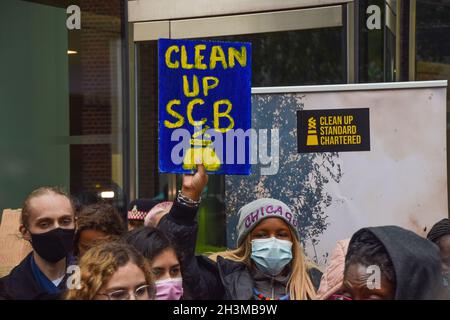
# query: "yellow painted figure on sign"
[[201, 151], [201, 155]]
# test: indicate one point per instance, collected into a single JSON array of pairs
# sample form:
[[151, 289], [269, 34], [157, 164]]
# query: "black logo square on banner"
[[333, 130]]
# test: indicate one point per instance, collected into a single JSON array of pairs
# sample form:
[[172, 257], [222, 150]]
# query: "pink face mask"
[[169, 289]]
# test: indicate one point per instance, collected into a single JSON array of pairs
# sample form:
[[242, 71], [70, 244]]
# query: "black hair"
[[150, 242], [366, 249], [440, 229]]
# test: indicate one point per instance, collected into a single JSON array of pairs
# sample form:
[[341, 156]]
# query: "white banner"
[[401, 180]]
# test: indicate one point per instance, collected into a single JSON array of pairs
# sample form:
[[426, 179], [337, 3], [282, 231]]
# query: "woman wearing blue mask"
[[268, 263]]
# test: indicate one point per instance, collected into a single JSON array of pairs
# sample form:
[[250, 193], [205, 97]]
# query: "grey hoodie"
[[416, 262]]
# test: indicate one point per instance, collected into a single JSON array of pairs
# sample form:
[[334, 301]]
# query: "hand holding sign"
[[204, 98], [193, 184]]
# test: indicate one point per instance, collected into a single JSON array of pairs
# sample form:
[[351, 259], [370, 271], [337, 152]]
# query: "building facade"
[[79, 102]]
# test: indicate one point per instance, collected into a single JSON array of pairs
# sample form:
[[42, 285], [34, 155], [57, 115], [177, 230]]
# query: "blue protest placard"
[[204, 106]]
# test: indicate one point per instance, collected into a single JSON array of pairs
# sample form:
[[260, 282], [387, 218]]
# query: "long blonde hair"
[[299, 285]]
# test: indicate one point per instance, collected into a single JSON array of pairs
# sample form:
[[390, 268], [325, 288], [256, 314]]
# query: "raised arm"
[[200, 276]]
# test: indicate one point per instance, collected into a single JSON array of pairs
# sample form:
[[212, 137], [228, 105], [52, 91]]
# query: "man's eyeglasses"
[[142, 293]]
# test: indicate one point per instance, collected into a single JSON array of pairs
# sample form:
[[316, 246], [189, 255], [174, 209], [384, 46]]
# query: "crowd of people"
[[91, 254]]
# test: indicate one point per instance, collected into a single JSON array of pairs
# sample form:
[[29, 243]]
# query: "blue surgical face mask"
[[271, 255]]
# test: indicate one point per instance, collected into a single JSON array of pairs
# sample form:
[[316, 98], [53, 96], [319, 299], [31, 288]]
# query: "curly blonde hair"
[[101, 262]]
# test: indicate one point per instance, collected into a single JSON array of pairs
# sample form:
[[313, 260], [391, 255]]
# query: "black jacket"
[[21, 284], [204, 279], [416, 262]]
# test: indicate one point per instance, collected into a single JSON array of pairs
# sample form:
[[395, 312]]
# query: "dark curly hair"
[[366, 249], [100, 217]]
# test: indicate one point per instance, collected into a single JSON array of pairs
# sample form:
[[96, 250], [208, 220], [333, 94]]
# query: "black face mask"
[[53, 245]]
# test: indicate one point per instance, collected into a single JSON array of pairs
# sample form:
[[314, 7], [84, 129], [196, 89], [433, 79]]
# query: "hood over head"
[[416, 262]]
